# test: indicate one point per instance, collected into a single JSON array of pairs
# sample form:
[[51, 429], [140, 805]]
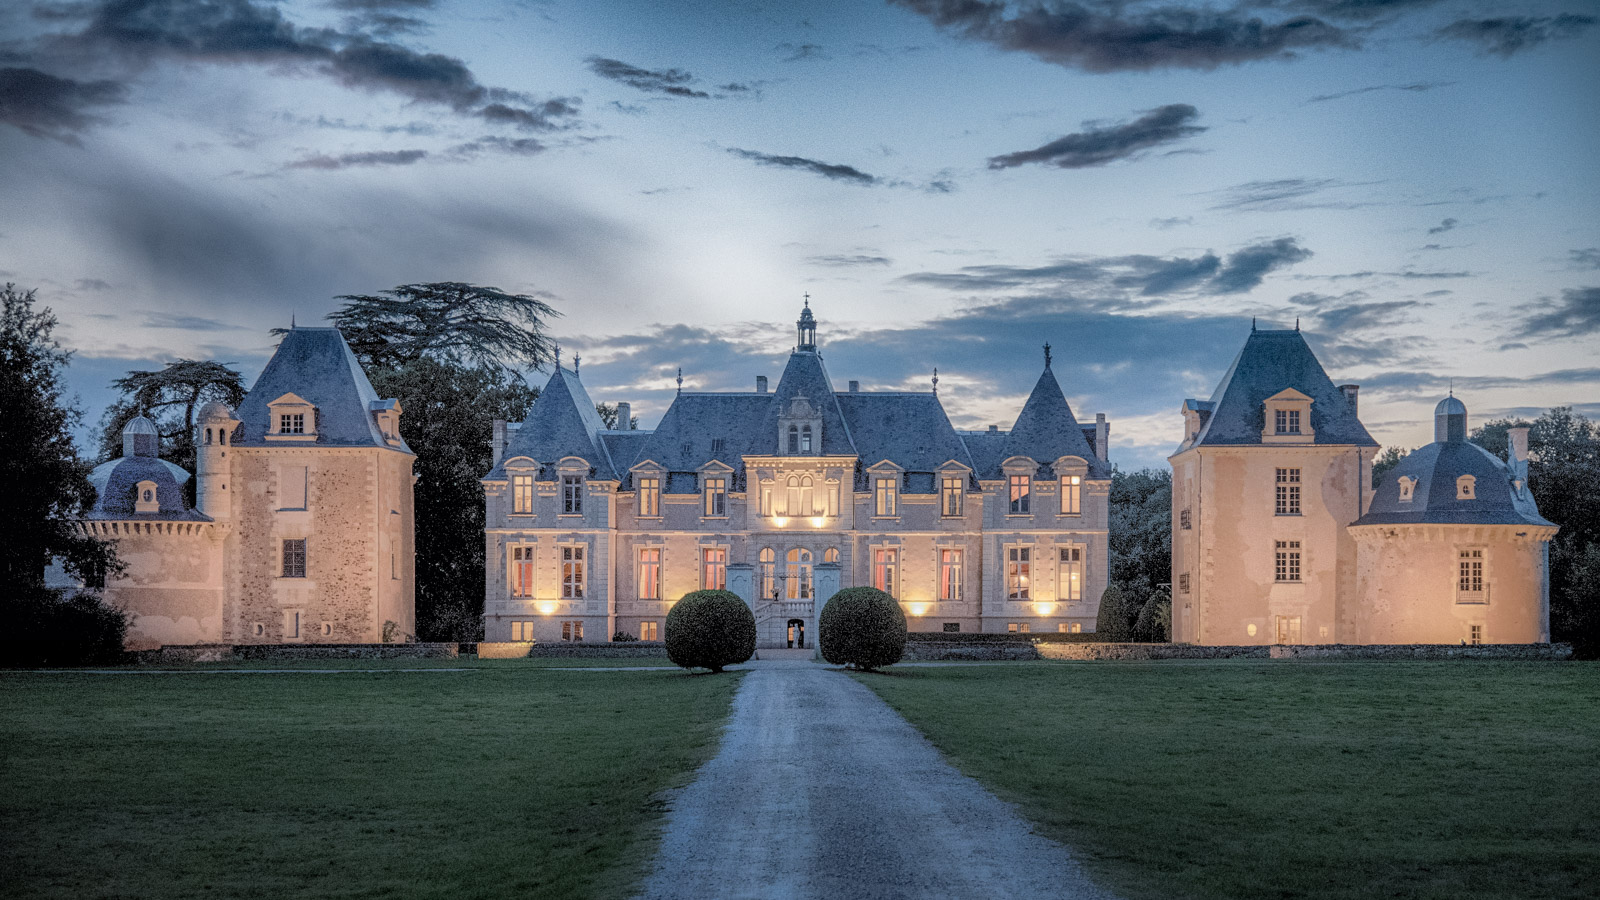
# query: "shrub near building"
[[863, 627], [710, 630]]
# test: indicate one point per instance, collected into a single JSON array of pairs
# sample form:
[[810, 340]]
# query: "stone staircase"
[[772, 622]]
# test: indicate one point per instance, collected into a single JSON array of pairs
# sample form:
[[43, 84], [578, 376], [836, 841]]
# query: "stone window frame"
[[528, 553], [1466, 488], [639, 565], [294, 554], [767, 573], [1469, 571], [291, 405], [1288, 562], [146, 497], [885, 480], [704, 554], [948, 590], [572, 630], [519, 468], [649, 630], [572, 483], [1072, 476], [715, 473], [1017, 581], [1063, 566], [1286, 402], [1408, 488], [890, 570], [1286, 491], [569, 590], [802, 582], [642, 472], [522, 630]]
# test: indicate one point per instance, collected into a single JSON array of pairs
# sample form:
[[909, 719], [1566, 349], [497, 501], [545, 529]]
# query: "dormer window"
[[1408, 488], [1288, 418], [292, 423], [794, 438], [805, 438], [572, 495], [1288, 421], [292, 418], [145, 500], [885, 496], [800, 427], [1466, 488]]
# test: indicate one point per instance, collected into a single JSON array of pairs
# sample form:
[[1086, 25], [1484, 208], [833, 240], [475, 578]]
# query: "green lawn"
[[1239, 779], [504, 781]]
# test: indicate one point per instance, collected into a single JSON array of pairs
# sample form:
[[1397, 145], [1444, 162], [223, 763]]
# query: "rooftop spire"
[[936, 379], [807, 328], [1047, 354], [680, 379], [575, 360]]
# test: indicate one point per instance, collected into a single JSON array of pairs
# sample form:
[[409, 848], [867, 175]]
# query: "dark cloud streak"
[[46, 106], [1097, 146], [833, 171], [672, 82], [1508, 35]]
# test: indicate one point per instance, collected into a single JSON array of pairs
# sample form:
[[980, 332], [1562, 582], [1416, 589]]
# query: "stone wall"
[[932, 650], [199, 653], [570, 649], [1149, 651], [1423, 651]]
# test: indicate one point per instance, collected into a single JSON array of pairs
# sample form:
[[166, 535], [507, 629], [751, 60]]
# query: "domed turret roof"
[[116, 485], [1450, 406], [139, 425], [214, 411]]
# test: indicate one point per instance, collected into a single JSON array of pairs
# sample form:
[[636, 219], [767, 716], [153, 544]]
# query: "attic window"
[[805, 438], [1466, 488], [1408, 488], [145, 499], [1287, 421], [687, 448], [292, 423], [716, 446]]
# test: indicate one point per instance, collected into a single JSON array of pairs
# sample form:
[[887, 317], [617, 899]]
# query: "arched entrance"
[[797, 633]]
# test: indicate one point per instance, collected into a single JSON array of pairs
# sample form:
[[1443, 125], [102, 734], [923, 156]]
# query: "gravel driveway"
[[821, 790]]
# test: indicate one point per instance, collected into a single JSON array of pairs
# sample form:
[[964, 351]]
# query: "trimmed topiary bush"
[[862, 627], [710, 630]]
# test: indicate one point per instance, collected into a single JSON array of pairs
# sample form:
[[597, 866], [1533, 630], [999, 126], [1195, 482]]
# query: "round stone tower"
[[213, 435]]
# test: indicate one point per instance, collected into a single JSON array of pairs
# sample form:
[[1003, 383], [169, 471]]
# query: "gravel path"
[[821, 790]]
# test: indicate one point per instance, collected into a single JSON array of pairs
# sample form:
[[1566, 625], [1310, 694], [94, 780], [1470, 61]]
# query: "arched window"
[[792, 496], [831, 556], [769, 573], [807, 506], [794, 439], [222, 437], [1408, 486], [1466, 487], [208, 437], [798, 577], [805, 439]]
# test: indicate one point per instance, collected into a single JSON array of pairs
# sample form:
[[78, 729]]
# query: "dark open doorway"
[[797, 633]]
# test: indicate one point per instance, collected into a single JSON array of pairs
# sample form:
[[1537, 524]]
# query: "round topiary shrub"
[[862, 627], [710, 630]]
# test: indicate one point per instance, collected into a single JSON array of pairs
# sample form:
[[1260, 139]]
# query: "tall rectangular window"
[[1183, 582], [950, 495], [294, 558], [1288, 492], [1286, 421], [292, 487], [1469, 575], [522, 630], [571, 495], [950, 574], [1477, 635], [885, 566], [1021, 485], [884, 493], [1071, 495], [1018, 564], [714, 568], [572, 574], [572, 630], [649, 631], [1185, 521], [648, 575], [522, 494], [1288, 630], [1287, 561], [522, 571], [716, 496], [1070, 574], [649, 497]]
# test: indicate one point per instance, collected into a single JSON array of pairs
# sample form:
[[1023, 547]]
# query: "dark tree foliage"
[[1388, 459], [169, 396], [1118, 612], [449, 322], [608, 415], [1154, 624], [710, 630], [1140, 541], [1564, 476], [862, 627], [447, 423], [47, 485]]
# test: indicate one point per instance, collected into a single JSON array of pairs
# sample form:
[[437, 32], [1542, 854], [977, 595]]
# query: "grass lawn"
[[503, 781], [1235, 779]]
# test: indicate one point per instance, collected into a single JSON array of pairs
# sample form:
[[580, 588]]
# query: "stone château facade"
[[783, 497]]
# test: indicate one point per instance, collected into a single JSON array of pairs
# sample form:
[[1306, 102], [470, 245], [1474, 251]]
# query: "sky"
[[954, 183]]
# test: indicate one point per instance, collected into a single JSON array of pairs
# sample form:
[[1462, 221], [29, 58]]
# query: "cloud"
[[1097, 146], [1113, 37], [92, 284], [1584, 259], [672, 82], [1512, 34], [1577, 313], [380, 5], [798, 52], [359, 160], [1246, 268], [1415, 87], [1284, 195], [1172, 222], [46, 106], [187, 323], [848, 260], [1352, 9], [834, 171], [512, 146], [1346, 314], [1442, 227]]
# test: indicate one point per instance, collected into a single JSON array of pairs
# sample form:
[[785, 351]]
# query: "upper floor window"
[[1470, 587], [950, 496], [572, 572], [1286, 563], [884, 496], [522, 494], [648, 576], [950, 574], [292, 423], [571, 494], [522, 571], [1466, 487], [649, 497], [1018, 564], [716, 496], [885, 569], [1183, 582], [1021, 486], [805, 438], [797, 578], [1071, 495], [801, 496], [1286, 421], [294, 558], [1185, 520], [1288, 492], [794, 438], [1070, 574], [714, 568]]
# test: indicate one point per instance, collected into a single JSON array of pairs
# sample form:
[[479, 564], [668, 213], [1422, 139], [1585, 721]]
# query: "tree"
[[1388, 459], [1154, 623], [47, 485], [169, 396], [1139, 554], [449, 322], [608, 416], [1117, 613]]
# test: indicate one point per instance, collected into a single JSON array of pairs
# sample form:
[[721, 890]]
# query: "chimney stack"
[[1102, 437], [994, 429], [855, 387], [761, 384], [498, 442], [624, 416], [1350, 391], [1519, 455]]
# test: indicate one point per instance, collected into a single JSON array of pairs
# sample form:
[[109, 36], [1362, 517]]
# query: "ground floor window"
[[649, 631], [1288, 630], [950, 574], [572, 631], [1073, 628], [522, 631], [1477, 635], [1017, 565], [714, 570], [885, 566], [1019, 627]]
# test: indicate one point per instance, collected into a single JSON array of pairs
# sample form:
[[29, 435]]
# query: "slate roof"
[[1269, 362], [116, 483], [1046, 430], [805, 374], [317, 365], [562, 423], [682, 442], [909, 429], [987, 449]]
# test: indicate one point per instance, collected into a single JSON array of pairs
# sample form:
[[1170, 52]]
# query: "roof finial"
[[680, 379], [807, 296], [1047, 354], [1252, 323], [291, 320], [575, 360], [1452, 385], [1296, 323], [557, 350], [936, 379]]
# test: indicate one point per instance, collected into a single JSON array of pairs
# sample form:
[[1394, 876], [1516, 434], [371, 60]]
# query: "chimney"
[[994, 429], [624, 416], [1102, 437], [1519, 455], [761, 384], [1350, 391], [498, 442], [855, 387]]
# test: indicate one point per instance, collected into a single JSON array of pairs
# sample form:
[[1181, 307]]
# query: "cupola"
[[807, 328], [1450, 421], [140, 438]]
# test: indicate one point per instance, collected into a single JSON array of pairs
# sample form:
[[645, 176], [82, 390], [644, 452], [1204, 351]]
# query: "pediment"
[[1289, 395], [289, 399]]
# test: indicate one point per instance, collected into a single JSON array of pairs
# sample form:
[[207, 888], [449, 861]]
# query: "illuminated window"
[[1071, 491], [1184, 520], [522, 571], [1011, 627], [952, 628], [650, 497], [831, 556], [1288, 629], [885, 566], [716, 496], [1476, 632], [292, 423], [1070, 574], [884, 495], [572, 574], [1288, 492], [522, 630], [797, 578], [1287, 561], [1470, 587], [648, 578], [572, 630], [801, 497], [1017, 565], [951, 493], [522, 494], [294, 558], [1020, 487], [950, 574], [1020, 627], [1287, 421], [714, 568], [571, 495], [768, 573], [649, 631]]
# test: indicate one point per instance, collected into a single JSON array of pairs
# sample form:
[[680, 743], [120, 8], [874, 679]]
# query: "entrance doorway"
[[797, 633]]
